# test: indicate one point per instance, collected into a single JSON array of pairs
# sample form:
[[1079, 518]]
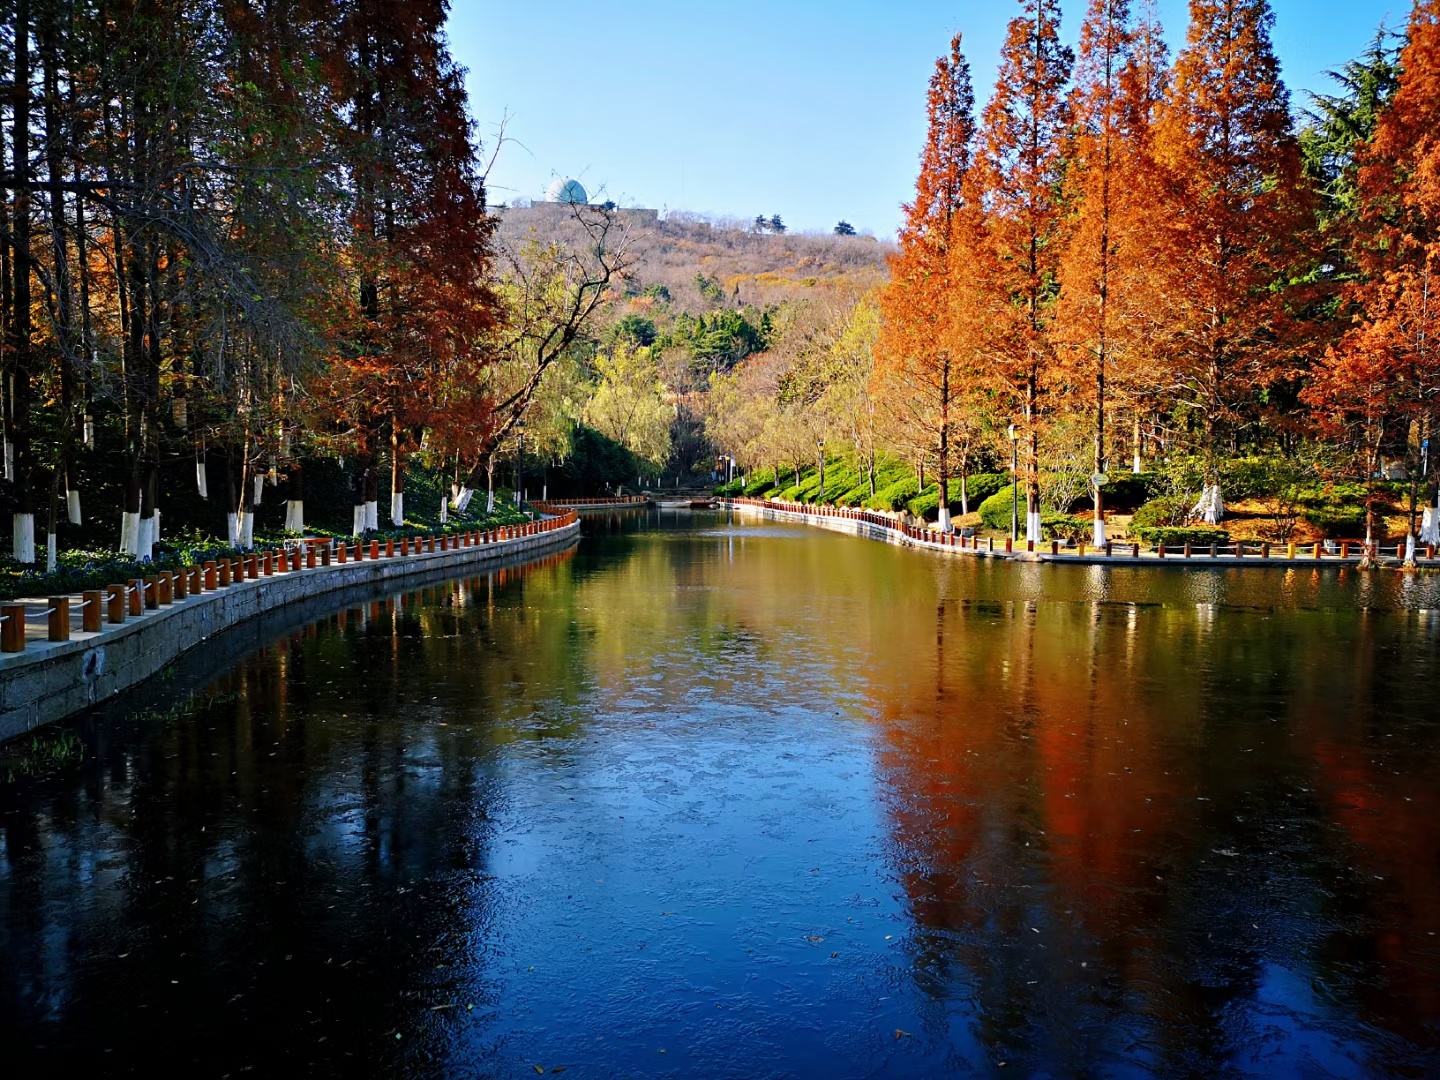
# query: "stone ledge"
[[52, 680]]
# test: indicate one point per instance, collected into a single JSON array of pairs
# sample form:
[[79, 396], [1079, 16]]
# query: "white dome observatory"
[[566, 191]]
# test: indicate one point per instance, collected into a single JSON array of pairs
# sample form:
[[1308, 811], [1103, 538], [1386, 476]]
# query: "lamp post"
[[520, 466], [1014, 485], [820, 450]]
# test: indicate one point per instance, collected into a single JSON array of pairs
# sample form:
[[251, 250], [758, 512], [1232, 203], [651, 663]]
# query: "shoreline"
[[52, 680], [872, 526]]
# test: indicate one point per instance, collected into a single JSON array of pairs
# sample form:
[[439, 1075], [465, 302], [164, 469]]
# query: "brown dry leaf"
[[900, 1034]]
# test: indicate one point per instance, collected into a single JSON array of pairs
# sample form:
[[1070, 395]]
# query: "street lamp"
[[1014, 484], [820, 449], [520, 466]]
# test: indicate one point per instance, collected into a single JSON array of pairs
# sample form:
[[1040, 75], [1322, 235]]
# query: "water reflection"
[[729, 799]]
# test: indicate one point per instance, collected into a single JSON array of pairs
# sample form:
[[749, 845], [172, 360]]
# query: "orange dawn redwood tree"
[[915, 358], [1119, 76], [1236, 226], [1377, 387], [1018, 176]]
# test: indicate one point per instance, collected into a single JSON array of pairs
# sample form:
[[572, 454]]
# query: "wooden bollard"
[[165, 587], [295, 559], [181, 583], [1009, 545], [92, 610], [12, 630], [341, 553], [404, 545], [59, 618], [1134, 551], [390, 548], [325, 555], [430, 545], [1345, 550], [252, 567], [1029, 545], [1080, 549], [152, 593], [268, 567], [196, 585], [1160, 550], [1054, 547], [1214, 552], [1290, 551], [991, 541], [1265, 550], [1187, 551], [1317, 549], [237, 569], [1109, 548], [1429, 551], [115, 604], [222, 573], [136, 596], [211, 578]]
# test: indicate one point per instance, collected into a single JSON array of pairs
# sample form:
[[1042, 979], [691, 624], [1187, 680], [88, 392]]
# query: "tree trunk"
[[21, 389]]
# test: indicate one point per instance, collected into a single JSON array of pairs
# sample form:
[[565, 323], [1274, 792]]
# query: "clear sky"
[[809, 109]]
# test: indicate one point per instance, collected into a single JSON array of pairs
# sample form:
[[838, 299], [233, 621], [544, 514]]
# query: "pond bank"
[[873, 526], [50, 680]]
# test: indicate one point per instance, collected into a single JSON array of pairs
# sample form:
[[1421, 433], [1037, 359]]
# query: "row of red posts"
[[1238, 550], [114, 603]]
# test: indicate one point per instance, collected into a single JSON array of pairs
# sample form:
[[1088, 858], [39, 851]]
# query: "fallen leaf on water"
[[899, 1034], [813, 938], [833, 955], [538, 1069]]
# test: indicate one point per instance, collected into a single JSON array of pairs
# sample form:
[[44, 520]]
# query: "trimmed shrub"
[[995, 511], [1337, 521], [895, 495], [1169, 512], [759, 482], [1129, 491], [1069, 527], [1173, 536]]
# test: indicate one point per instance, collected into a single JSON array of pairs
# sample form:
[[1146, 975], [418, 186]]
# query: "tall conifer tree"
[[1018, 180]]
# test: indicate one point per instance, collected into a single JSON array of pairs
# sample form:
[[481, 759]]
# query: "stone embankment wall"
[[51, 680], [1228, 556]]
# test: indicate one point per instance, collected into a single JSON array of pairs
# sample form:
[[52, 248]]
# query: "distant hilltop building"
[[565, 190]]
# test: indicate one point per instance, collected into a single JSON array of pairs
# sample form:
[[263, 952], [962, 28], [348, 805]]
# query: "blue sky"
[[812, 110]]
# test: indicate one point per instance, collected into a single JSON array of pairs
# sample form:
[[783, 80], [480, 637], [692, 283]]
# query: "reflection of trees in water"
[[279, 864], [1139, 785]]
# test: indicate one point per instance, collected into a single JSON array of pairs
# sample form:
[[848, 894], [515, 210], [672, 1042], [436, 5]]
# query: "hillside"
[[705, 265]]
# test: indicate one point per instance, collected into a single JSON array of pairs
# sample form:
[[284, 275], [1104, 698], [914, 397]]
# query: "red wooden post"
[[115, 603], [12, 630], [92, 611], [59, 627]]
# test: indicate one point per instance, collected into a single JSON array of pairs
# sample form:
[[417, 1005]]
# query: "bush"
[[1068, 527], [894, 495], [730, 490], [1168, 512], [1178, 536], [1129, 491], [759, 482], [995, 511], [1336, 521]]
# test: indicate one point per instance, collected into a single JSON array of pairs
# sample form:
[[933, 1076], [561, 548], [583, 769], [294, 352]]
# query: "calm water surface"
[[715, 798]]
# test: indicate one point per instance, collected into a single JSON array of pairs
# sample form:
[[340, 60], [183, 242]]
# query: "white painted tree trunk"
[[72, 507], [202, 485], [129, 533], [1430, 526], [444, 510], [247, 531], [24, 546], [397, 508], [145, 539], [52, 552], [372, 515], [1410, 549], [357, 525], [462, 499], [490, 501], [9, 460], [259, 488], [946, 526], [232, 529], [1211, 507], [1033, 529], [295, 515], [1099, 530]]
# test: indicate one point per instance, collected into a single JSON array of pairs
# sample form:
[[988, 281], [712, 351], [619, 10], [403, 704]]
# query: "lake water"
[[718, 798]]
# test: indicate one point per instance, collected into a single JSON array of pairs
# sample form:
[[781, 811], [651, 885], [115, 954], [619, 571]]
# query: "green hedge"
[[995, 511], [1172, 511], [1178, 536]]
